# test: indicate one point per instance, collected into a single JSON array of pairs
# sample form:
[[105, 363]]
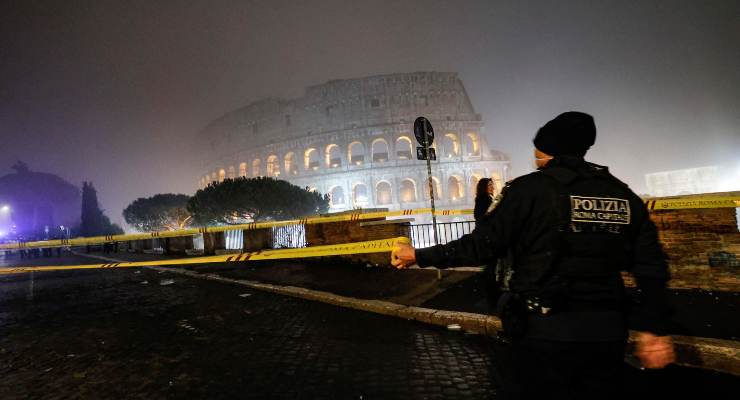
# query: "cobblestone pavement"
[[135, 334]]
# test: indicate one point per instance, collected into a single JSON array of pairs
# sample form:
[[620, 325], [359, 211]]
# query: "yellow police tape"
[[371, 246], [652, 204], [355, 216], [693, 202]]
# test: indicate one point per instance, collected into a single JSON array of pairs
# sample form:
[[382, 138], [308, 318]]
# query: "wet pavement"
[[108, 334], [138, 333]]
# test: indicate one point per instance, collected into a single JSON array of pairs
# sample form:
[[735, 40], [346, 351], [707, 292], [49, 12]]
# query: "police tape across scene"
[[355, 216], [652, 204], [371, 246]]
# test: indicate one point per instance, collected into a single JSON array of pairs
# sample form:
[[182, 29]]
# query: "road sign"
[[423, 131], [421, 153]]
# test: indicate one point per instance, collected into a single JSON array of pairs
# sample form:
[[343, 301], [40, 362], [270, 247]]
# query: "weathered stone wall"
[[703, 247], [353, 231], [178, 245], [257, 239], [213, 241], [339, 232]]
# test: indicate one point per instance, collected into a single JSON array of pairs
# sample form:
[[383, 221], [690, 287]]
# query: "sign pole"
[[431, 188], [425, 136]]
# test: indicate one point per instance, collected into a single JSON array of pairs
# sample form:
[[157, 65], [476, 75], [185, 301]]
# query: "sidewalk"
[[696, 312], [73, 333], [105, 334]]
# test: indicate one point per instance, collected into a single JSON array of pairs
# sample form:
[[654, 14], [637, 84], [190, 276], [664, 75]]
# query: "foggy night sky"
[[115, 92]]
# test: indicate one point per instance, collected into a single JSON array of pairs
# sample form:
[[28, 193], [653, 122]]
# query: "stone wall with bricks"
[[702, 244], [355, 231]]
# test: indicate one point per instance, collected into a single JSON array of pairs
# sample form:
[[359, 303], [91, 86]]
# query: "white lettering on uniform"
[[601, 210]]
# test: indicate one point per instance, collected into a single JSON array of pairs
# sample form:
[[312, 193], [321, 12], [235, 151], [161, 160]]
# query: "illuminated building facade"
[[683, 181], [353, 139]]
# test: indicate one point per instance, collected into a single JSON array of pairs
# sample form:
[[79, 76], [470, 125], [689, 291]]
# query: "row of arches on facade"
[[330, 157], [408, 191]]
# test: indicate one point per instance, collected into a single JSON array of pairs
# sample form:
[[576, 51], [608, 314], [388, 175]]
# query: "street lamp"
[[5, 209]]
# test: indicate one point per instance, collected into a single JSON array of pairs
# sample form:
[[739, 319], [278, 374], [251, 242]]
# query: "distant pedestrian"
[[493, 274], [484, 191]]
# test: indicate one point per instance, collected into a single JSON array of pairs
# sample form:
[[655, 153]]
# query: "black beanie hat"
[[571, 133]]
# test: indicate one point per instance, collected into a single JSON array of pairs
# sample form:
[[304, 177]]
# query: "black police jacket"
[[572, 228]]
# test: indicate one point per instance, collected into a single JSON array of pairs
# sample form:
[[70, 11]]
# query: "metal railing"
[[422, 235], [289, 236], [283, 237]]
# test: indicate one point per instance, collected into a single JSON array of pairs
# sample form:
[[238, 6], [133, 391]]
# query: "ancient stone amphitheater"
[[353, 139]]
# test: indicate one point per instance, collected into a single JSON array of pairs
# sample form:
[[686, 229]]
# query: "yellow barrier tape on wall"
[[693, 202], [372, 246], [652, 204], [358, 216]]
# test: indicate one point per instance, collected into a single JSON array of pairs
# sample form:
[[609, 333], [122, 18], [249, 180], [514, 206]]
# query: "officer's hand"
[[403, 255], [654, 351]]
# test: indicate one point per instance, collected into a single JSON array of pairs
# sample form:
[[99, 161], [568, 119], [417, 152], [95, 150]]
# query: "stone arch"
[[383, 193], [379, 148], [474, 179], [311, 159], [356, 153], [272, 166], [243, 169], [291, 166], [450, 145], [256, 167], [455, 188], [336, 196], [404, 148], [360, 195], [472, 144], [407, 191], [333, 156], [232, 172], [221, 175]]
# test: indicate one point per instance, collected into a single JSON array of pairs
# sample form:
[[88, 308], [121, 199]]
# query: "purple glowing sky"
[[114, 92]]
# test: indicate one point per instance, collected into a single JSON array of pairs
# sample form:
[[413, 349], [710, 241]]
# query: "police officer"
[[571, 228]]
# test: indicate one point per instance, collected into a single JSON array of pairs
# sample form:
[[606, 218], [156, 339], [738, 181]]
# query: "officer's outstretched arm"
[[650, 270], [488, 241], [651, 316], [654, 351]]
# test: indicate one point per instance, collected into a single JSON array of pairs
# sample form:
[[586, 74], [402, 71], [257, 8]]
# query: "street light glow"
[[5, 208]]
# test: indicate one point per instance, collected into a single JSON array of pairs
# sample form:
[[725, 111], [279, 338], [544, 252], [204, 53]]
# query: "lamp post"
[[5, 215]]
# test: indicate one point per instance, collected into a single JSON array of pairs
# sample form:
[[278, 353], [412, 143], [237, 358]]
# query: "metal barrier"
[[234, 239], [289, 236], [423, 236], [283, 237]]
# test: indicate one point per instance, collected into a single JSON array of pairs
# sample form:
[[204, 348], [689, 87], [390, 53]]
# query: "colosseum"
[[353, 139]]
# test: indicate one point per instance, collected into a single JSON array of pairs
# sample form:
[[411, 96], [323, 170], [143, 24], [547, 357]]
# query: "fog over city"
[[116, 92]]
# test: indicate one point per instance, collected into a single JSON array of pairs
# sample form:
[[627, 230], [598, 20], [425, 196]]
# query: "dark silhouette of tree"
[[161, 212], [93, 221], [38, 201], [21, 168], [243, 200]]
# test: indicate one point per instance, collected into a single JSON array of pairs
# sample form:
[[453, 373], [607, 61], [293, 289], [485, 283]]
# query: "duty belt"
[[534, 306]]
